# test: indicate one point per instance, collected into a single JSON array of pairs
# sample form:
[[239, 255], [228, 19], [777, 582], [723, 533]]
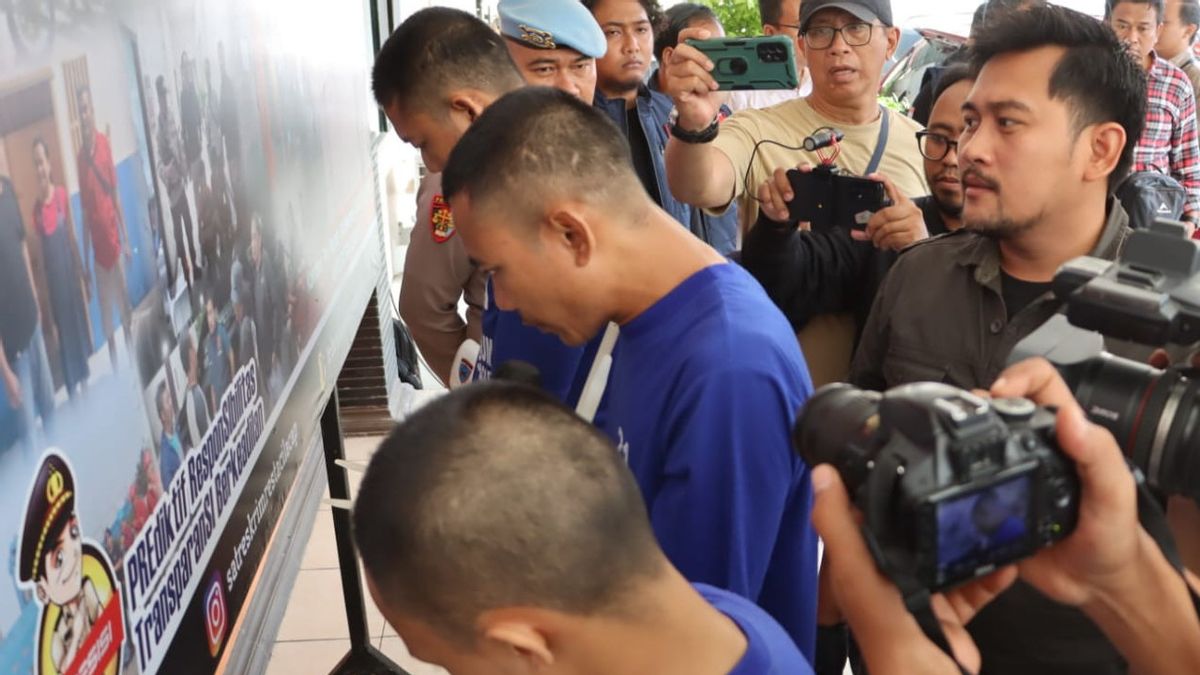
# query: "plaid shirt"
[[1168, 144]]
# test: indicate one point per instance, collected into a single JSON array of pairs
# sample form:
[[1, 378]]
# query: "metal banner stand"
[[363, 658]]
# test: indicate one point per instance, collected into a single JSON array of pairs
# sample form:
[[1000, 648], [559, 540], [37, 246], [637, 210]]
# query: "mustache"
[[978, 175]]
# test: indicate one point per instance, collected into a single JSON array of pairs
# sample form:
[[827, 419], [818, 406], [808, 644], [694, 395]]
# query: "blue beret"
[[550, 24]]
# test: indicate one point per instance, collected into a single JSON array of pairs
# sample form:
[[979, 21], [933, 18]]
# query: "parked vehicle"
[[903, 82]]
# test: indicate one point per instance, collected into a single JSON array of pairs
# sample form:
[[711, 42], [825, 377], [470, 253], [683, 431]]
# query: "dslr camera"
[[827, 196], [951, 486], [1150, 296]]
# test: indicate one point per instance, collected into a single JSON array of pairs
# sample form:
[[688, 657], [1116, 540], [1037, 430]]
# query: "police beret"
[[51, 504], [550, 24]]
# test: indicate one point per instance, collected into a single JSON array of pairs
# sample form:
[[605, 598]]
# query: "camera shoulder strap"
[[885, 119], [919, 603]]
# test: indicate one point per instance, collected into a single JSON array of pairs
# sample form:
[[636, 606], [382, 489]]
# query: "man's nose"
[[501, 296], [564, 82]]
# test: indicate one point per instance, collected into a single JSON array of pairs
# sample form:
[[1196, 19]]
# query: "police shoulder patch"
[[441, 222]]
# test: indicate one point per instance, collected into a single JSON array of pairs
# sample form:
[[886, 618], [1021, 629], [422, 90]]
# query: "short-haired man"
[[779, 17], [437, 273], [1048, 136], [810, 273], [641, 113], [707, 375], [1177, 35], [1168, 143], [550, 564], [170, 447], [105, 239]]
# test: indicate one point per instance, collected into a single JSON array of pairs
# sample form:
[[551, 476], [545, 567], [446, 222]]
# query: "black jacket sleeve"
[[809, 273]]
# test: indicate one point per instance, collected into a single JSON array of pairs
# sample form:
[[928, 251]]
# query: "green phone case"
[[751, 63]]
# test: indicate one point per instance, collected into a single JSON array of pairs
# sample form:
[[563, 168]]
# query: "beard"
[[999, 227], [952, 207], [624, 83]]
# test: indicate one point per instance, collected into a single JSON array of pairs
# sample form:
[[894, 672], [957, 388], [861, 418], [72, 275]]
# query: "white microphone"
[[463, 366]]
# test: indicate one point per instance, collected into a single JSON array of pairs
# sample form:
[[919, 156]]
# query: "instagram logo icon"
[[216, 618]]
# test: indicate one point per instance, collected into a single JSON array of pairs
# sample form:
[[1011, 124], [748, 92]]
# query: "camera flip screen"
[[983, 527]]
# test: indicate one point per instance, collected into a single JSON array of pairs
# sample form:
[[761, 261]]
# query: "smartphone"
[[826, 199], [752, 63]]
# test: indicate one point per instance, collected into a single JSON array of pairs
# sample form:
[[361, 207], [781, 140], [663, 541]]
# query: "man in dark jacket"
[[643, 115], [718, 231], [1050, 128], [810, 273]]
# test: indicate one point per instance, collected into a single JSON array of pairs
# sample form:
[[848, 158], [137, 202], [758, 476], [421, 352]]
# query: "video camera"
[[951, 486], [1150, 296], [827, 196]]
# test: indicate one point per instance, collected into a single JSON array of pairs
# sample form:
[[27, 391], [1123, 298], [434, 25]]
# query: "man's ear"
[[566, 225], [518, 633], [1106, 142], [42, 595], [893, 40], [469, 103]]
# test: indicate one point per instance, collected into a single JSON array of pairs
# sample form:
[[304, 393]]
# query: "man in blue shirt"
[[550, 565], [170, 450], [706, 376]]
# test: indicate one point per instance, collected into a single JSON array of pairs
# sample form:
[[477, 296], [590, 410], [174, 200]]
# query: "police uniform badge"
[[535, 37], [441, 222], [81, 629]]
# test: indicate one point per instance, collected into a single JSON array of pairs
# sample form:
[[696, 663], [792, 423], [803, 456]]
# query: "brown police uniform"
[[437, 272]]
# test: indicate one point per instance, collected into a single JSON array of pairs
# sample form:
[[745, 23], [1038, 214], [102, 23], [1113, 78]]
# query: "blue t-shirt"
[[769, 650], [703, 393], [505, 337]]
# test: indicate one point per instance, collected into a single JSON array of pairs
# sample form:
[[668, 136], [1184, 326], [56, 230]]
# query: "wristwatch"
[[705, 135]]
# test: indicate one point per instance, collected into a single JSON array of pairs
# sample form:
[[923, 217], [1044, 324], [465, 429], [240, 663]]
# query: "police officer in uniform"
[[552, 42]]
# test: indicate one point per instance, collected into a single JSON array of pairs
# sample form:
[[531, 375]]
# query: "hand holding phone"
[[751, 63]]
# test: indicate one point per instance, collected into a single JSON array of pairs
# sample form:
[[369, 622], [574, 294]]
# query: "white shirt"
[[765, 98]]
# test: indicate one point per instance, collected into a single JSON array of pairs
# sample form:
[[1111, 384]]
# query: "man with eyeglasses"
[[1169, 143], [810, 273], [845, 43]]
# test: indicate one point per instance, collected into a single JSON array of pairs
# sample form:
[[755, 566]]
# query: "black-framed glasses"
[[935, 146], [855, 34]]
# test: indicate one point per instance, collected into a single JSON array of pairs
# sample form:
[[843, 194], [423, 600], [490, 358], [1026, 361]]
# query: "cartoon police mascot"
[[81, 627]]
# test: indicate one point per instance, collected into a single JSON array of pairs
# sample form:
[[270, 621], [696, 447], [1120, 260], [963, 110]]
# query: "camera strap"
[[881, 143], [920, 604]]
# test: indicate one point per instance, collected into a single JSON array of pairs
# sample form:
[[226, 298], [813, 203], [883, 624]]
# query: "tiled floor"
[[313, 636]]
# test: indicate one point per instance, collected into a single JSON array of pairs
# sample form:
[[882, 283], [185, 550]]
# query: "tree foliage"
[[739, 17]]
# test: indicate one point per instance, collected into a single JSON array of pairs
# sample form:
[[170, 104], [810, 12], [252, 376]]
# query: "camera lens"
[[1154, 415], [836, 419], [771, 53]]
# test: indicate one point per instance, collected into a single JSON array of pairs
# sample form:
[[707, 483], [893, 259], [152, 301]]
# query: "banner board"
[[188, 237]]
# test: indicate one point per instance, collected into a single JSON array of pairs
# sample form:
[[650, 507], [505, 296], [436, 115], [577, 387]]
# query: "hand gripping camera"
[[951, 486], [1150, 296]]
